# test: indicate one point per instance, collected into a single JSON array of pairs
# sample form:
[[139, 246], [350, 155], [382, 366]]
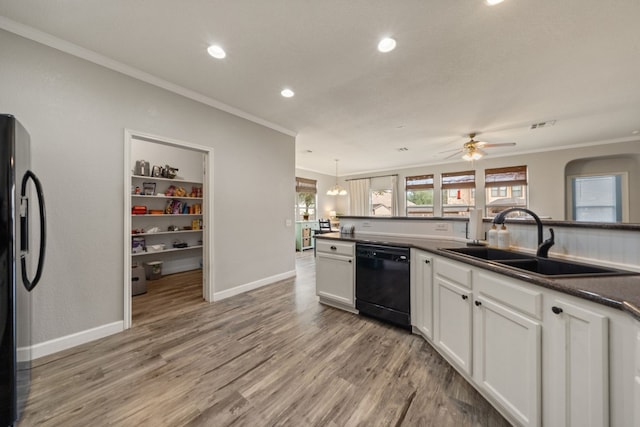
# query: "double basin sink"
[[537, 265]]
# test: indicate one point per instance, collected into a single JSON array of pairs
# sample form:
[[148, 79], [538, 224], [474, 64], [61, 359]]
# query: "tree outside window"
[[419, 195], [305, 204]]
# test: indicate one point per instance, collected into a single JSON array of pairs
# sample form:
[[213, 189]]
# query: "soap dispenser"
[[504, 238], [492, 236]]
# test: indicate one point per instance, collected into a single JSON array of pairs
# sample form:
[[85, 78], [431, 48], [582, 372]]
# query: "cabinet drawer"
[[527, 301], [459, 273], [333, 247]]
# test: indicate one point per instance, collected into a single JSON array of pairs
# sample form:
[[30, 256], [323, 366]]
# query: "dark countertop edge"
[[437, 246], [548, 222]]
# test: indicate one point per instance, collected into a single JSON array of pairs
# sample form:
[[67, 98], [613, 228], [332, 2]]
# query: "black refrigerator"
[[22, 229]]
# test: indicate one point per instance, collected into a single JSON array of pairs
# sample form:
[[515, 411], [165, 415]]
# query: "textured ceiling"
[[460, 66]]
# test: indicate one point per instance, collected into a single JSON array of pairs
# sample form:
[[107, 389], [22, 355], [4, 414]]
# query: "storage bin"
[[138, 280], [153, 270]]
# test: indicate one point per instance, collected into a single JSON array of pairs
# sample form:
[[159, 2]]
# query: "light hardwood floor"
[[273, 356]]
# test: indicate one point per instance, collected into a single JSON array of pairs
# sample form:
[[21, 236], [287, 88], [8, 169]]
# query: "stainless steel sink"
[[489, 254], [538, 265]]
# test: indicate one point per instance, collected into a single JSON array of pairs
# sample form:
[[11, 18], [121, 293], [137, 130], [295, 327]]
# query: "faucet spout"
[[543, 247], [499, 219]]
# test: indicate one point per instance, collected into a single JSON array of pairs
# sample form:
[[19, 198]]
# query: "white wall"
[[326, 203], [546, 172], [76, 113]]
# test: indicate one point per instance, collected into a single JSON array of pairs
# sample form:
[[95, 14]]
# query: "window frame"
[[306, 186], [461, 181], [622, 203], [419, 183], [507, 178]]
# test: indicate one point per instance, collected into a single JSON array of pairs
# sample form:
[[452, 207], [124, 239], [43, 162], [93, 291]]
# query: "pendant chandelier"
[[337, 190]]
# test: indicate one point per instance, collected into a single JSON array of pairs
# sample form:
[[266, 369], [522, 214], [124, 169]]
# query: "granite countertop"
[[621, 292]]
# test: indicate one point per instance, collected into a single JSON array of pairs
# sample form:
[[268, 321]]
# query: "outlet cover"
[[443, 226]]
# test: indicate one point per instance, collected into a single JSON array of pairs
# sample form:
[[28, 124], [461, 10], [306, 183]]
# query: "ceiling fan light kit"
[[471, 149]]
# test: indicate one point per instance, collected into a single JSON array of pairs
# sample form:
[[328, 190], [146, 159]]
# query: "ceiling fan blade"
[[458, 152], [499, 144], [449, 151]]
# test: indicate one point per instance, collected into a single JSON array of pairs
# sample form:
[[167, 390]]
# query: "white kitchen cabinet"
[[507, 346], [453, 313], [578, 374], [335, 273], [636, 382], [422, 290]]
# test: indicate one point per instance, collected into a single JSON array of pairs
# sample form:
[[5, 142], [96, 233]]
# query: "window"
[[419, 190], [505, 188], [597, 198], [499, 192], [305, 205], [380, 202], [458, 193]]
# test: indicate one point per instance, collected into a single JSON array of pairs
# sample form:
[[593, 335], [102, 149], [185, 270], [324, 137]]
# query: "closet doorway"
[[168, 206]]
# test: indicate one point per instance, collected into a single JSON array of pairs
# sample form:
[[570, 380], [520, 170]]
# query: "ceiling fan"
[[472, 149]]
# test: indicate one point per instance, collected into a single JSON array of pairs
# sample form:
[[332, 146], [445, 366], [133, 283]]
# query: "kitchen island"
[[543, 351]]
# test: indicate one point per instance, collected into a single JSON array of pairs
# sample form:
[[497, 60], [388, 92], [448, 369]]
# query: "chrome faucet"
[[543, 247]]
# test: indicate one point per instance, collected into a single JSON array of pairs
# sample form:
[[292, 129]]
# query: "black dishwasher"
[[383, 282]]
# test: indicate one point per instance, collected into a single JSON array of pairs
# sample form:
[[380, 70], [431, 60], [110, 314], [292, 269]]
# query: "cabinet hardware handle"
[[464, 296], [349, 260], [478, 303], [426, 261], [333, 248], [556, 310]]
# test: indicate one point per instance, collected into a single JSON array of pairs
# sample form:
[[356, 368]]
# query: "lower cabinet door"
[[507, 362], [335, 278], [452, 322], [580, 371], [424, 294]]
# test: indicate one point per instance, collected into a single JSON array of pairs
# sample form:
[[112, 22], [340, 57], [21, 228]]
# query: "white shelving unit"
[[165, 222]]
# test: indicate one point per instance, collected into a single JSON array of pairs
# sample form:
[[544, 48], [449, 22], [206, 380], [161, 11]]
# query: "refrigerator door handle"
[[24, 232]]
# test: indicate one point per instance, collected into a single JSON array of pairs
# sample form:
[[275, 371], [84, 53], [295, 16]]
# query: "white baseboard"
[[58, 344], [217, 296]]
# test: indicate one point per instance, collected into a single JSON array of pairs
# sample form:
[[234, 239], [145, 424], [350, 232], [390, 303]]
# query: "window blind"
[[503, 177], [305, 185], [454, 180], [419, 182]]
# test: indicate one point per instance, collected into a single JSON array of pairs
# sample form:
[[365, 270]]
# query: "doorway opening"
[[167, 218]]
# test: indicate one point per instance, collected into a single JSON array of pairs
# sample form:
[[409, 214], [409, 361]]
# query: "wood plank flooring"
[[270, 357]]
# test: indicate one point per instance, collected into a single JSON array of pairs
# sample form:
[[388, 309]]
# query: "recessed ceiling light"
[[493, 2], [287, 93], [387, 44], [216, 51]]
